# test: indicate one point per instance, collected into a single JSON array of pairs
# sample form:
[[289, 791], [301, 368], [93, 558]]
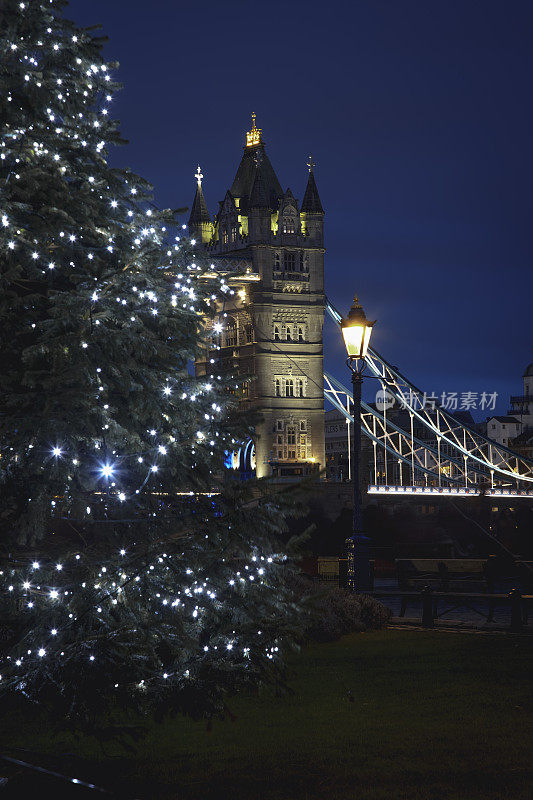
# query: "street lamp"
[[356, 330]]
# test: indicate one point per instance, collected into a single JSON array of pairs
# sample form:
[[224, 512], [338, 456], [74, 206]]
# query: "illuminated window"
[[225, 237], [233, 233], [289, 225]]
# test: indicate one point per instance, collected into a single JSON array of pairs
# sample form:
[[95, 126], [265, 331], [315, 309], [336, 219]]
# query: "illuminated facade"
[[270, 324]]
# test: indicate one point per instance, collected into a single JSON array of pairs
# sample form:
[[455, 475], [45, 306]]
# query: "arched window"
[[277, 261], [276, 333], [289, 225], [278, 387], [289, 219], [248, 333], [300, 388], [301, 333], [289, 387], [288, 333]]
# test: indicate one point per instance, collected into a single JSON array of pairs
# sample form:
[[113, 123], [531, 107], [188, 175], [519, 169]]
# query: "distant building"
[[503, 429], [522, 405], [515, 430], [523, 444]]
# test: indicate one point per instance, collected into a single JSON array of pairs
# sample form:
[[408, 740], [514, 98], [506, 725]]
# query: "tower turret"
[[312, 213], [200, 224], [274, 316]]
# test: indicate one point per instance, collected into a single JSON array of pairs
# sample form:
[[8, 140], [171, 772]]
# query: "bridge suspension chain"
[[444, 452]]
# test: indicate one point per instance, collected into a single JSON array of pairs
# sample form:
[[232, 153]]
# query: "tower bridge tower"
[[272, 322]]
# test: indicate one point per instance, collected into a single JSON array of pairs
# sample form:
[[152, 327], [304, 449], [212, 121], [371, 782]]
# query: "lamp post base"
[[359, 575]]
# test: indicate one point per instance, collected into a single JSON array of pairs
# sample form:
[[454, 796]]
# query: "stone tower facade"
[[270, 324]]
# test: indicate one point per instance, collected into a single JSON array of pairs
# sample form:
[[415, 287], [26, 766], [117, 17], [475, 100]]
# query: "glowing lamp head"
[[56, 451], [356, 330], [107, 470]]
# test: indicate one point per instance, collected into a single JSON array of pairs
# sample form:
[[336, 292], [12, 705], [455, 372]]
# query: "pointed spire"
[[199, 212], [253, 137], [311, 203]]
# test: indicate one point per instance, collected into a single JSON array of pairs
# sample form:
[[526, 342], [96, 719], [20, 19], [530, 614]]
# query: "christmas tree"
[[125, 580]]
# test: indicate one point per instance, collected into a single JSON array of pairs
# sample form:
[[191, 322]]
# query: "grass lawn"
[[391, 715]]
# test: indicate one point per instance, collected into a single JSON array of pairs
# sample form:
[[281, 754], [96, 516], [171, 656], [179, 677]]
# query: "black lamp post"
[[356, 330]]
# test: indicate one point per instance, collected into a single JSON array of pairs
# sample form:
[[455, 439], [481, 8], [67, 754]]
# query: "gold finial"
[[311, 164], [253, 136], [198, 175]]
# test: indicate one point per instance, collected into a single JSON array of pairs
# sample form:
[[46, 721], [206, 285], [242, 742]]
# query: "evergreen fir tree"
[[120, 588]]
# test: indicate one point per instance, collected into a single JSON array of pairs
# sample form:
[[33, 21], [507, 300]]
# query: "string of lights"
[[127, 578]]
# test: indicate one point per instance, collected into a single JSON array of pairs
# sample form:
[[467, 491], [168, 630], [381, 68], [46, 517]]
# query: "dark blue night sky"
[[419, 117]]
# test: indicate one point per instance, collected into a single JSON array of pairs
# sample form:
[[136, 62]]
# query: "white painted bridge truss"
[[433, 452]]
